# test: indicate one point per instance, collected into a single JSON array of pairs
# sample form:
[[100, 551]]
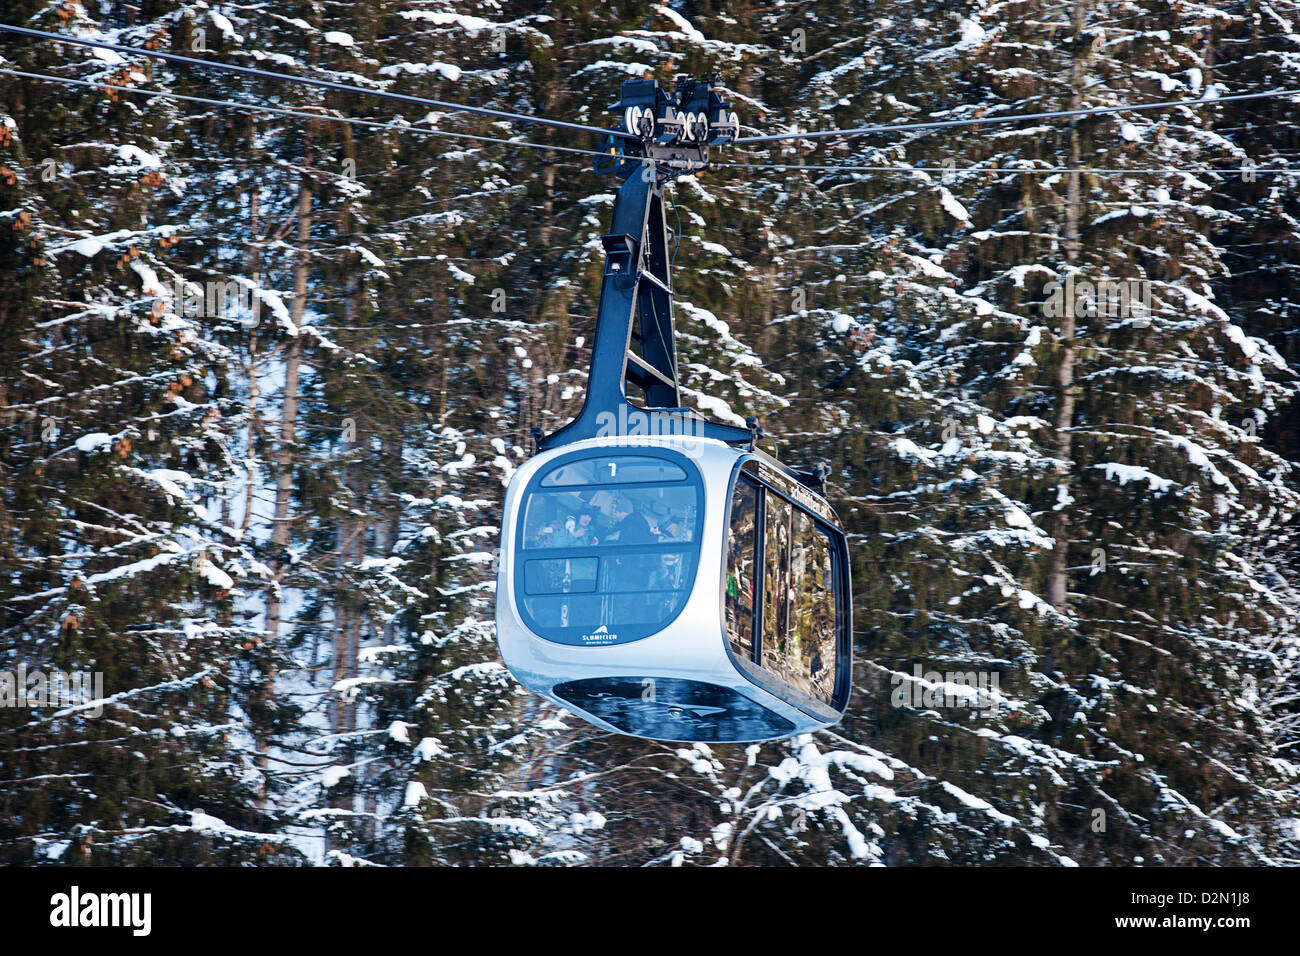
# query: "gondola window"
[[740, 570], [776, 585], [611, 545], [810, 660], [795, 607]]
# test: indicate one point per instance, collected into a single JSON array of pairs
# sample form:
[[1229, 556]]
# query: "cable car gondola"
[[660, 575]]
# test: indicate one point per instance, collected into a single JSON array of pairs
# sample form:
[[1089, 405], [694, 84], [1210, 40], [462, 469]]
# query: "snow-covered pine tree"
[[1099, 227], [115, 453], [893, 324], [440, 409]]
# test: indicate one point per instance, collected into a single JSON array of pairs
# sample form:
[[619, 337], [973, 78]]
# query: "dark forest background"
[[274, 535]]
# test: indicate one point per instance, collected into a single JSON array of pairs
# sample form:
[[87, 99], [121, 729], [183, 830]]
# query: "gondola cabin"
[[678, 590], [668, 582]]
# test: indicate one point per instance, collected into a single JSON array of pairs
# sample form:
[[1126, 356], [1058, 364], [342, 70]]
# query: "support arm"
[[636, 310]]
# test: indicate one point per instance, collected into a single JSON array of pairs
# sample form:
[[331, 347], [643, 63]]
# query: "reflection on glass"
[[776, 585], [610, 554], [613, 469], [678, 710], [811, 648], [559, 575], [595, 517], [630, 589], [740, 570], [798, 613]]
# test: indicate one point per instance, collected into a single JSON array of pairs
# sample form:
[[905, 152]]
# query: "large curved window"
[[810, 650], [613, 470], [780, 604], [607, 546], [740, 590]]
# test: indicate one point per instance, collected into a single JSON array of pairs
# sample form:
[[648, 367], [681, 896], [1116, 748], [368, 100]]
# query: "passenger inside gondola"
[[578, 530], [631, 526], [627, 555]]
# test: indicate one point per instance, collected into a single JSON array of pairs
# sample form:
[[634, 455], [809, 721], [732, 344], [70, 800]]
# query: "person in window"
[[738, 613], [566, 536], [577, 531], [733, 576], [630, 527], [634, 574], [588, 529], [590, 514]]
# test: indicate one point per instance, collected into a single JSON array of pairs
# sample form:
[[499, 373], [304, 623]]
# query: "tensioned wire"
[[578, 127], [305, 80], [307, 113]]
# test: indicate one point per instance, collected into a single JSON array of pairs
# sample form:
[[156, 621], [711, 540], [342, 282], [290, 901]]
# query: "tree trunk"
[[254, 390], [285, 454], [1058, 582]]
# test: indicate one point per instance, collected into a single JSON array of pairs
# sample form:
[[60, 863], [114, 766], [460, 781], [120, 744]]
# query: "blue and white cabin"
[[659, 575], [675, 589]]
